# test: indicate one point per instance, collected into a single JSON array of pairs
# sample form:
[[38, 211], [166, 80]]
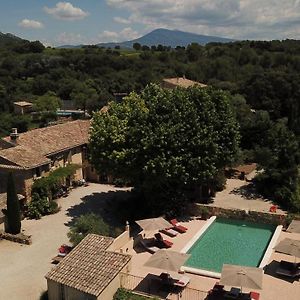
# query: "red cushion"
[[254, 295]]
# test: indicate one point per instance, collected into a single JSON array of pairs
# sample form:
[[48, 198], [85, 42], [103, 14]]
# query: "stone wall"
[[251, 216], [17, 238]]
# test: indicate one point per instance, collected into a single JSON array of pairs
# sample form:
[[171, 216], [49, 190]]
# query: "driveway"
[[22, 267]]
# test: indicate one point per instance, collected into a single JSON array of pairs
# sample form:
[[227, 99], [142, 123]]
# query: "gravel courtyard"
[[22, 267], [239, 194]]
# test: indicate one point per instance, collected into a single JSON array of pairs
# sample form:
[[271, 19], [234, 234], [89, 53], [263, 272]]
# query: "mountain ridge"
[[164, 37]]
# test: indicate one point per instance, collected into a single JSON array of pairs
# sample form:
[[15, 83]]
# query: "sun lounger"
[[177, 226], [169, 231], [288, 269], [162, 242], [149, 246]]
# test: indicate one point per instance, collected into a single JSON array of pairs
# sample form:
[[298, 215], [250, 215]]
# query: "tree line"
[[262, 79]]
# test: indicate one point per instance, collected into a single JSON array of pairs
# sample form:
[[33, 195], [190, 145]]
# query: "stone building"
[[172, 83], [35, 153], [22, 107], [90, 271]]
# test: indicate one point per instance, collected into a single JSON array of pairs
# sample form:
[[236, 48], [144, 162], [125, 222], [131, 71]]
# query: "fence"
[[151, 286]]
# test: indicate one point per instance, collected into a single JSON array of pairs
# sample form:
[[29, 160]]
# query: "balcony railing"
[[151, 286]]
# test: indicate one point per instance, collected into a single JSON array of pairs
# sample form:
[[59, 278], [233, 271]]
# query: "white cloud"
[[65, 38], [32, 24], [108, 36], [122, 20], [268, 19], [124, 35], [66, 11], [128, 34]]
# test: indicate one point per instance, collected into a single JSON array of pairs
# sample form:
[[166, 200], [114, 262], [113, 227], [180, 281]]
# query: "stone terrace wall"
[[251, 216]]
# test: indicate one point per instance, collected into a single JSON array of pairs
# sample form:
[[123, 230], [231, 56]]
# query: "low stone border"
[[17, 238], [248, 215]]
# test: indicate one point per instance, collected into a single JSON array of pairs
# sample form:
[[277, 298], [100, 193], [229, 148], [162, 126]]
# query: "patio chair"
[[180, 281], [169, 231], [149, 245], [177, 226], [234, 293], [288, 269], [217, 290], [163, 243]]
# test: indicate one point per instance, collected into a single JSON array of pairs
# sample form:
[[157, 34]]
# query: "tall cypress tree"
[[13, 214]]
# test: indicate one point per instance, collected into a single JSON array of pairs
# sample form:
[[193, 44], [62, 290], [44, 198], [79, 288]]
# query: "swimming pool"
[[228, 241]]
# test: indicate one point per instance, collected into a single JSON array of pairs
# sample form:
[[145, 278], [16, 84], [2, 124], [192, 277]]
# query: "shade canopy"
[[240, 276], [153, 224], [294, 226], [289, 246], [167, 260]]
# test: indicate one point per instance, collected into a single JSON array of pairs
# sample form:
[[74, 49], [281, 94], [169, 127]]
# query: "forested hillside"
[[262, 77]]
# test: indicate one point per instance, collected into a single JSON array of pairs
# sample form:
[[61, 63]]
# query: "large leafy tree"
[[279, 158], [13, 215], [49, 102], [166, 142]]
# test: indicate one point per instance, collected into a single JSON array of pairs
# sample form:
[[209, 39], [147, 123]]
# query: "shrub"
[[202, 211], [85, 224], [123, 294], [48, 186], [119, 182], [54, 208], [40, 206]]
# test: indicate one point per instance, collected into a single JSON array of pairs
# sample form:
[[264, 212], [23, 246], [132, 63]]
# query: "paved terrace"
[[273, 286], [239, 194]]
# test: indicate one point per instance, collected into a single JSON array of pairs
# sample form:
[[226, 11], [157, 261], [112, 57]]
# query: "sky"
[[93, 21]]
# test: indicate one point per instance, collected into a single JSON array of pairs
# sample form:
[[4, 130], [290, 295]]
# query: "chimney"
[[14, 134]]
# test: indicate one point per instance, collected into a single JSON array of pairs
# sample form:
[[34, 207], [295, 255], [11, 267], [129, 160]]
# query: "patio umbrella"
[[153, 224], [294, 226], [241, 276], [167, 260], [290, 247]]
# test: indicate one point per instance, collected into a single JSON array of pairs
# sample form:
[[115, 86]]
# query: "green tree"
[[85, 97], [166, 141], [49, 102], [13, 215], [136, 46], [279, 158]]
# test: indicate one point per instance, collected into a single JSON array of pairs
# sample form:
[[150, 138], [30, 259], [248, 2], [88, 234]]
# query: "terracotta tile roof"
[[182, 82], [89, 268], [34, 146], [24, 157]]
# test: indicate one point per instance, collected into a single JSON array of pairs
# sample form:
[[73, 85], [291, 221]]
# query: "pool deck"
[[273, 286]]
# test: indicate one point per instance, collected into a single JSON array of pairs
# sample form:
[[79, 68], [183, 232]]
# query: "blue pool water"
[[230, 242]]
